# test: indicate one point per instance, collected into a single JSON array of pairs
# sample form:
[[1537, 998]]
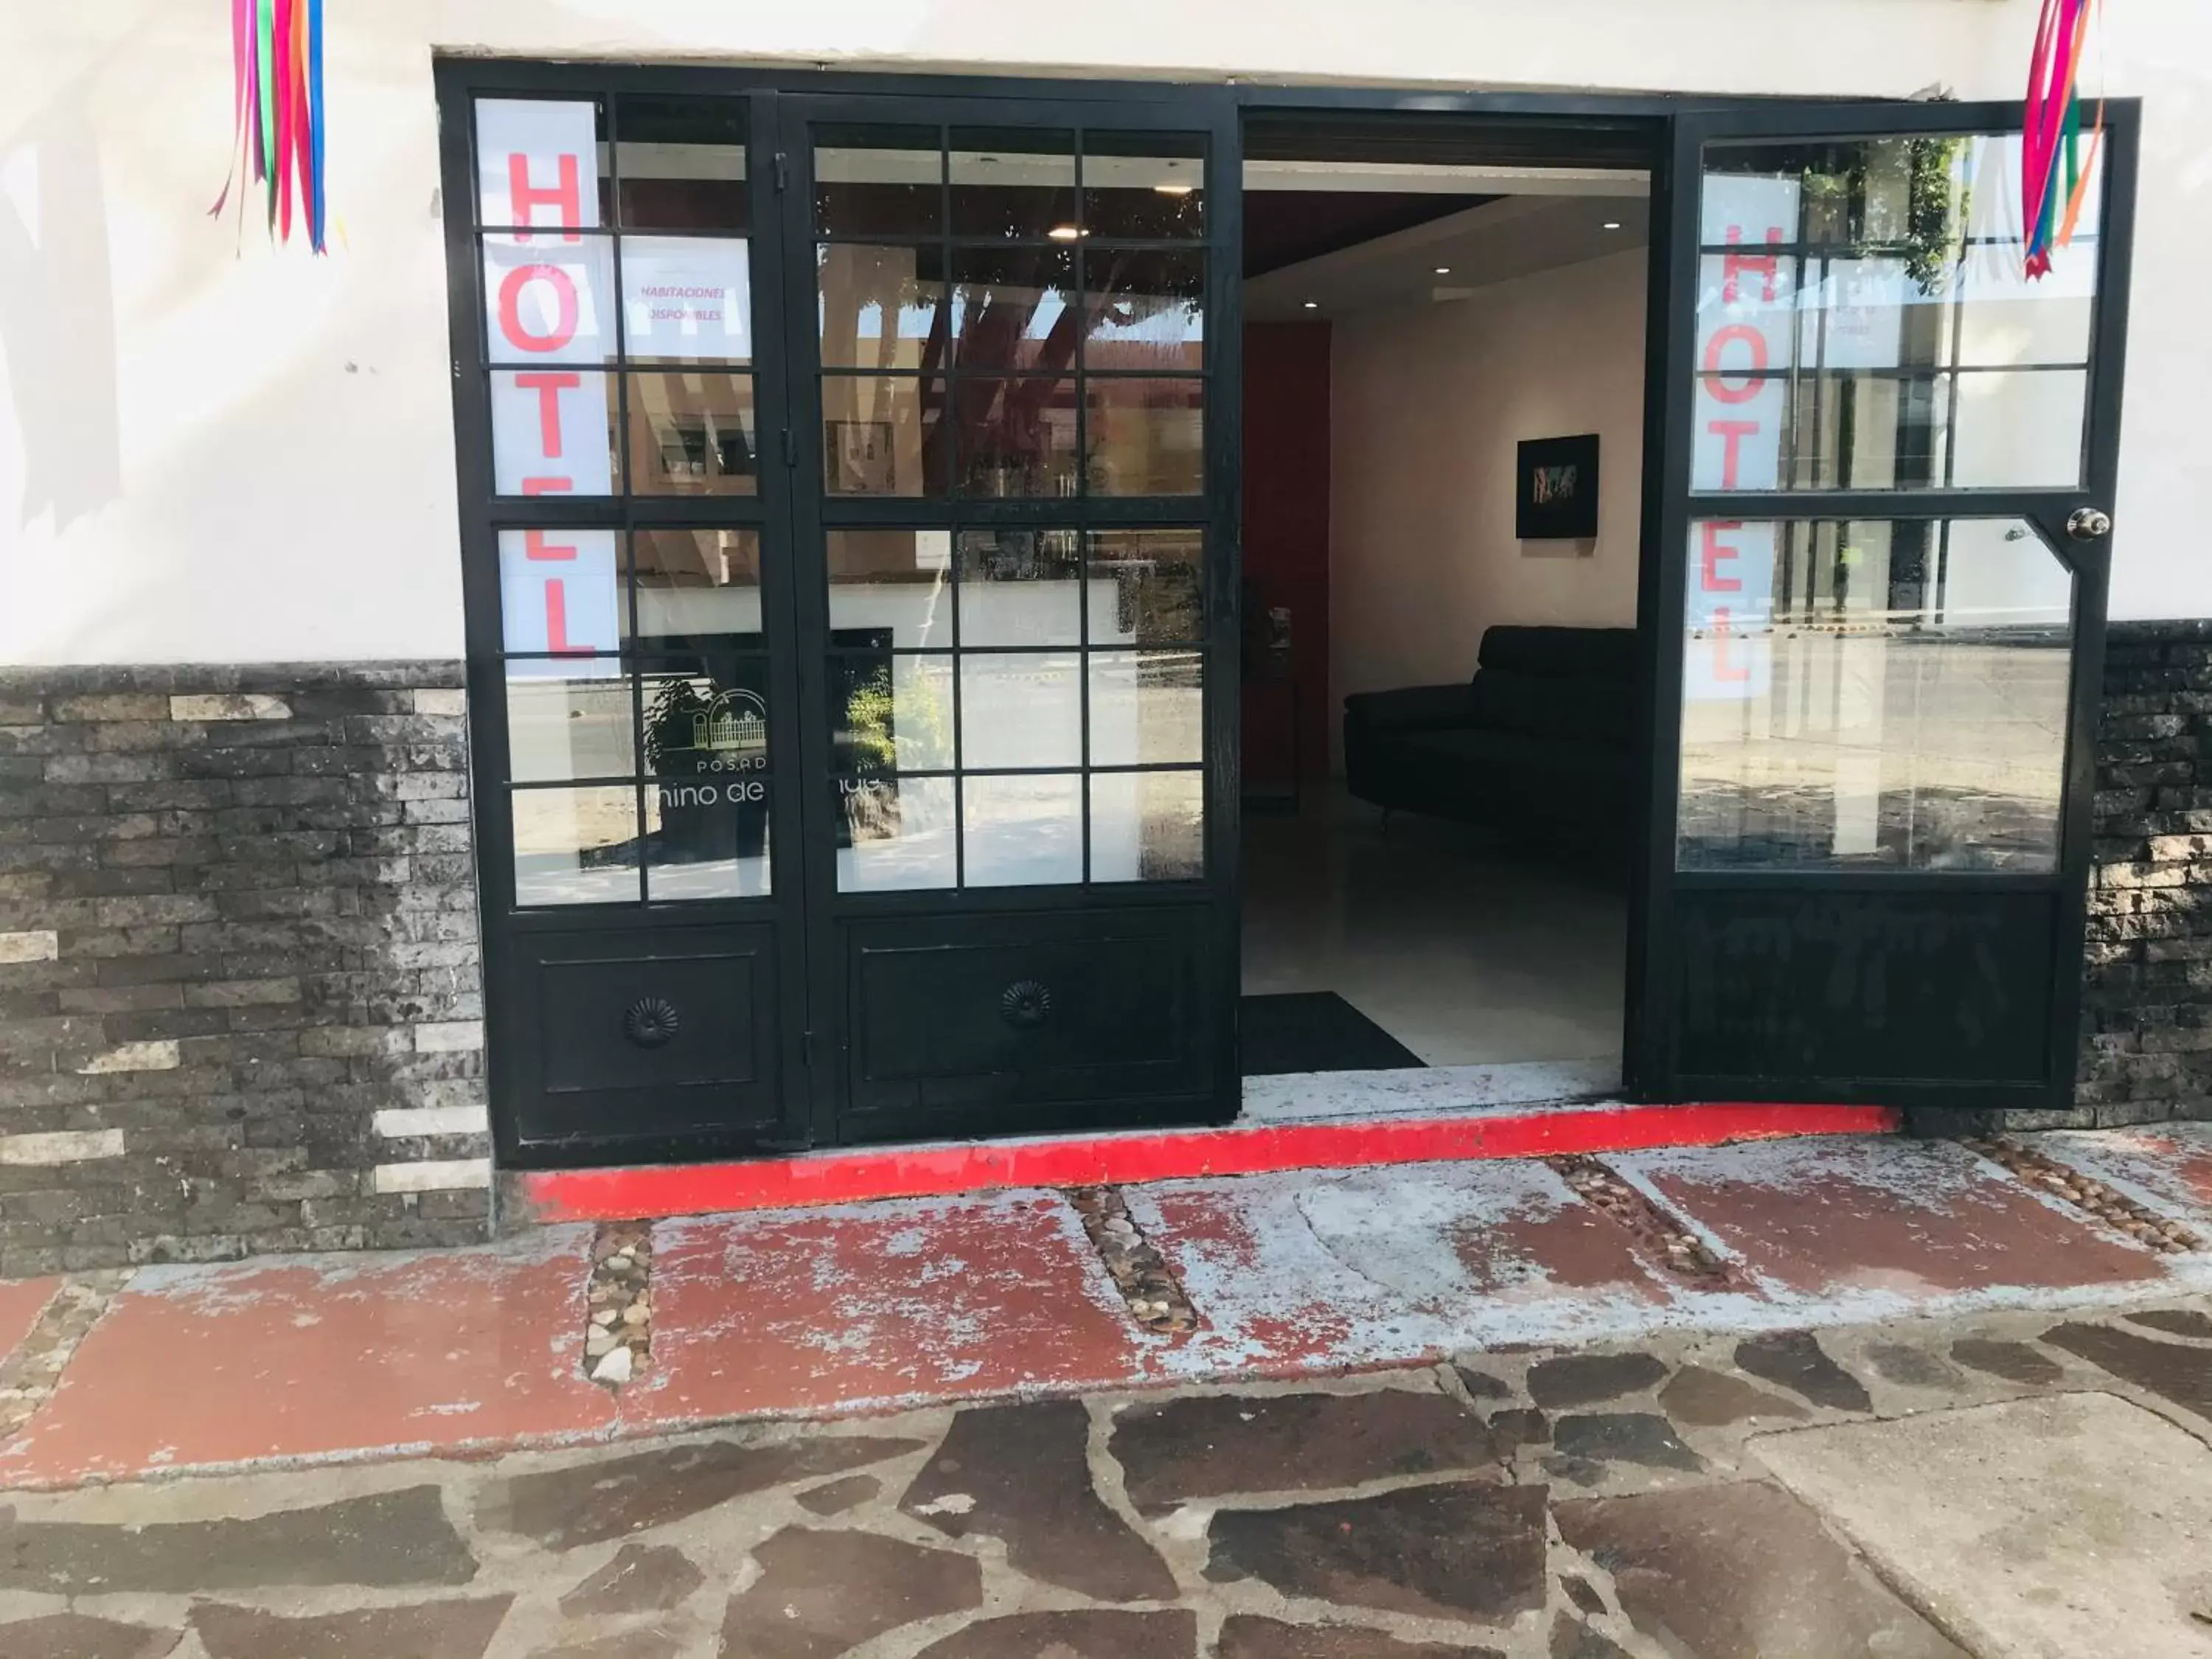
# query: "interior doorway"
[[1444, 388]]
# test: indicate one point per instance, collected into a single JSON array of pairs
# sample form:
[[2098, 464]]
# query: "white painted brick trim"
[[446, 1037], [30, 947], [434, 1177], [162, 1056], [235, 705], [61, 1146], [396, 1122]]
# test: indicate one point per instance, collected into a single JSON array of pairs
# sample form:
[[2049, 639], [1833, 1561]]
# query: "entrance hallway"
[[868, 1309], [1468, 950]]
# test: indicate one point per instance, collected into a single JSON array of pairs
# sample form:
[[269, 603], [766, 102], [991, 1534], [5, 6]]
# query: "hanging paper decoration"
[[279, 122], [2052, 143]]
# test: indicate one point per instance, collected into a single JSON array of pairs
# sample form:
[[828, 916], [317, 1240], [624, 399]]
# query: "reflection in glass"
[[692, 434], [559, 728], [884, 435], [1018, 587], [1013, 308], [697, 587], [1144, 186], [1146, 437], [888, 713], [1882, 694], [1147, 587], [881, 307], [878, 181], [2020, 428], [1021, 831], [1143, 310], [894, 584], [1147, 826], [895, 833], [1017, 437], [575, 846], [682, 163], [2008, 321], [1013, 182], [1147, 708], [1020, 709]]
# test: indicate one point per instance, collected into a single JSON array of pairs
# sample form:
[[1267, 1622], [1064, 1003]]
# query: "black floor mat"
[[1315, 1032]]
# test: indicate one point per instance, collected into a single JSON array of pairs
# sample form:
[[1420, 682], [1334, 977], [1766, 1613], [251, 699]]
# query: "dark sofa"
[[1543, 738]]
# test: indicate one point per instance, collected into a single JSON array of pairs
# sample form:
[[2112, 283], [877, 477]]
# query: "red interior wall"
[[1287, 534]]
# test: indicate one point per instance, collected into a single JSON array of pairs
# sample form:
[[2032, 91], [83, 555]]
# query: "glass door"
[[1013, 459], [1882, 483]]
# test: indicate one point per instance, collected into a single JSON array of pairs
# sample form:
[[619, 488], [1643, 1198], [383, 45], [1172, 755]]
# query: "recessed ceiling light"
[[1612, 224], [1174, 190], [1064, 233], [1313, 305], [1443, 270]]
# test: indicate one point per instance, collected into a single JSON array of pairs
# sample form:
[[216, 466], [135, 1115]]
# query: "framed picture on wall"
[[1558, 489]]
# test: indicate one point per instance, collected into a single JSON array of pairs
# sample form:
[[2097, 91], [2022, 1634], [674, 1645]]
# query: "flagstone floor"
[[1788, 1401]]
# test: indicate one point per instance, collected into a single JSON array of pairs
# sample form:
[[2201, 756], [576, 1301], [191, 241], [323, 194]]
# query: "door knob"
[[2089, 524]]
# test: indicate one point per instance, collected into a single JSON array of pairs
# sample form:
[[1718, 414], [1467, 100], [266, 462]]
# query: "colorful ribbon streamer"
[[2053, 132], [280, 124]]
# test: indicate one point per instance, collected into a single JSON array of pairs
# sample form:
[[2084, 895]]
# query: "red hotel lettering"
[[1721, 341], [524, 198], [1722, 633], [1710, 553], [556, 620], [1731, 434], [1733, 264], [510, 308], [549, 386], [534, 545]]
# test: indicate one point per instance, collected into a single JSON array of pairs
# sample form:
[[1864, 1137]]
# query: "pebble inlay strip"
[[1680, 1251], [1155, 1296], [29, 1374], [618, 1327], [2092, 1197]]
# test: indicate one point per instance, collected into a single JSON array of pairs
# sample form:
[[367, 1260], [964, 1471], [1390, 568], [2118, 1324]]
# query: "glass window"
[[1148, 186], [1864, 321], [1147, 708], [1873, 694], [1015, 183], [1146, 587], [561, 728], [1014, 308], [1018, 436], [891, 589], [697, 590], [576, 846], [1147, 826], [1143, 310], [693, 435], [708, 765], [1024, 831], [884, 435], [891, 713], [881, 307], [1021, 708], [683, 164], [878, 181], [541, 163], [895, 833], [1020, 587], [561, 594], [553, 431], [548, 299], [1146, 437], [687, 300]]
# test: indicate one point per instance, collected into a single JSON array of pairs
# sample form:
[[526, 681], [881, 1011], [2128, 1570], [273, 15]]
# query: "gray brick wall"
[[2146, 983], [241, 996]]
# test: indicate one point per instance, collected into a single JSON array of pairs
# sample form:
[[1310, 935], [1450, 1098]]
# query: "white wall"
[[1428, 404], [222, 452]]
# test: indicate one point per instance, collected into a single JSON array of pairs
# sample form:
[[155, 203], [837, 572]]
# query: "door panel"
[[1880, 641], [1013, 332]]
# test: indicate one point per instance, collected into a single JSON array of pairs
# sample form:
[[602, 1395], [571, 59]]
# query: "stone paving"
[[1618, 1504]]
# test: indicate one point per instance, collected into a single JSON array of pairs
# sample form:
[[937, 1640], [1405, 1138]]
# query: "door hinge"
[[782, 171], [790, 448]]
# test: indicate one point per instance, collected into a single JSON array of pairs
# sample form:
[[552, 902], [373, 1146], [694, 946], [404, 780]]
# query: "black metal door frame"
[[1670, 507]]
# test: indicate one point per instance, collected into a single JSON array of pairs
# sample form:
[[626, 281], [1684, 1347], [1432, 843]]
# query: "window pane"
[[561, 592], [878, 181], [896, 833], [890, 713], [1863, 272], [707, 794], [891, 588], [1022, 832], [1018, 587], [682, 163], [698, 589], [541, 161], [1146, 437], [575, 846], [548, 300], [1147, 185], [1015, 182], [1147, 586], [1879, 694], [1143, 310], [687, 300], [560, 727], [885, 435], [1020, 709], [1147, 708], [692, 434], [1147, 826], [552, 432], [1017, 437], [1014, 307], [881, 307]]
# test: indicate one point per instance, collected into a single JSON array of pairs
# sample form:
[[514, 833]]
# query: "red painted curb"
[[930, 1171]]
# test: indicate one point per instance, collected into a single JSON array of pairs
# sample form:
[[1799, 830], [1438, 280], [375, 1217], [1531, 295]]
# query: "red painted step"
[[939, 1169]]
